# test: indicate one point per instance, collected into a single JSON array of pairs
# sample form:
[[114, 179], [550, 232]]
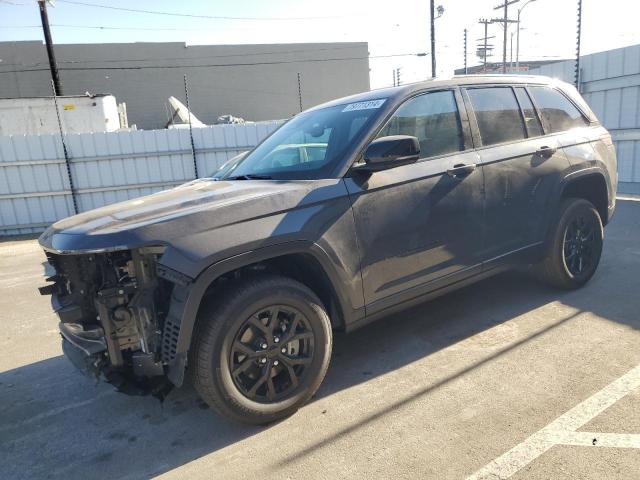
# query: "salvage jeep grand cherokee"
[[350, 211]]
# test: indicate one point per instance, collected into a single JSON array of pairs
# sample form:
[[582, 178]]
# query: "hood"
[[194, 207]]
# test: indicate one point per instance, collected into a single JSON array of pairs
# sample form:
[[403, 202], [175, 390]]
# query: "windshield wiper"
[[249, 176]]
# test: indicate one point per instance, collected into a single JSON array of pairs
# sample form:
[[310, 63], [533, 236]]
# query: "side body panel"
[[416, 224], [520, 188], [591, 150]]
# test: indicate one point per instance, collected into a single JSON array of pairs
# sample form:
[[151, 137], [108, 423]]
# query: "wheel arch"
[[304, 261], [590, 184]]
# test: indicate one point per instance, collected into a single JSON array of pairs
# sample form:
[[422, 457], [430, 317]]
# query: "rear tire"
[[261, 349], [575, 246]]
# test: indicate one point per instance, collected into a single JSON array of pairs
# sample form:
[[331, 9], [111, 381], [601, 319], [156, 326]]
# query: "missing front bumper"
[[86, 349]]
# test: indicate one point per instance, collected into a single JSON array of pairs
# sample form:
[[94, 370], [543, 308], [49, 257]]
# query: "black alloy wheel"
[[270, 353], [574, 247], [579, 241], [261, 348]]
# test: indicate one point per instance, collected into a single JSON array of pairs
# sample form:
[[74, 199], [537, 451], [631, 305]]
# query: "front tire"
[[261, 350], [575, 247]]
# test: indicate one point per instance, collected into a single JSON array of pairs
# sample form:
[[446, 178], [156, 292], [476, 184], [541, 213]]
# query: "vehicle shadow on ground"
[[55, 423]]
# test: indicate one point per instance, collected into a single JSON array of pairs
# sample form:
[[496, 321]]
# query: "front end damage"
[[113, 309]]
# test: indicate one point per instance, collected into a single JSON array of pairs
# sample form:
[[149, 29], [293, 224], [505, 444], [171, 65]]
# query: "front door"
[[420, 224]]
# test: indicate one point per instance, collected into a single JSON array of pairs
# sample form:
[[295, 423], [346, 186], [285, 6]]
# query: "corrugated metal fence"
[[106, 168], [610, 83]]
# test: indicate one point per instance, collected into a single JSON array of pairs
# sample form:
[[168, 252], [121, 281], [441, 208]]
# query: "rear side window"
[[531, 120], [498, 114], [558, 112], [433, 119]]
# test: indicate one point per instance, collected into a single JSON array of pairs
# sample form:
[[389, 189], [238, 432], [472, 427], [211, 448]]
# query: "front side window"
[[557, 111], [433, 119], [498, 114], [309, 146]]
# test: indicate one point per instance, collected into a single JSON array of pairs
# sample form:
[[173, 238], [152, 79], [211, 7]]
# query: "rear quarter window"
[[558, 113]]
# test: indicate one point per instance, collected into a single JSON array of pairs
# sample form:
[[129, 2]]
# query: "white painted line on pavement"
[[564, 429], [596, 439]]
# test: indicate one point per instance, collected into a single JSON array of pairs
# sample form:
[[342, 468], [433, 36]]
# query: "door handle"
[[461, 170], [546, 152]]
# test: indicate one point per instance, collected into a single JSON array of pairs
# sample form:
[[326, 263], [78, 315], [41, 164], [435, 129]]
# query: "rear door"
[[521, 167], [421, 222]]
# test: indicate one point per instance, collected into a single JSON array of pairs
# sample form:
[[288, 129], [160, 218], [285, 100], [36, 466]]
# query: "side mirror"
[[389, 152]]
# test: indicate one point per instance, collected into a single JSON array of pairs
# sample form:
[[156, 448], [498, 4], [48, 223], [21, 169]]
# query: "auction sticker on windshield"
[[364, 105]]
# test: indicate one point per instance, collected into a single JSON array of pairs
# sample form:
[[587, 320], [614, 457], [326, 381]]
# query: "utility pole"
[[47, 38], [465, 51], [577, 76], [398, 76], [433, 39], [484, 49], [505, 21]]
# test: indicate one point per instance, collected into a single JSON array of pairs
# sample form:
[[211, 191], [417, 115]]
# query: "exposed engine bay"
[[112, 308]]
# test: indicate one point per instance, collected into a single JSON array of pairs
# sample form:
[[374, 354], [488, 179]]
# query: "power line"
[[189, 15], [99, 27], [248, 64]]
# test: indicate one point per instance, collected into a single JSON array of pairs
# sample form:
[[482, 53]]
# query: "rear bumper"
[[611, 209]]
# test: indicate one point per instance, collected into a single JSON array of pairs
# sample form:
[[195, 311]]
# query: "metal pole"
[[486, 33], [193, 147], [577, 76], [504, 46], [67, 159], [49, 43], [299, 91], [518, 40], [511, 53], [465, 51], [433, 40]]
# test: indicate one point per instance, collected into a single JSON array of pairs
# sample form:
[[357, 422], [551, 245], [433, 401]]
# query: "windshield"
[[309, 146], [227, 166]]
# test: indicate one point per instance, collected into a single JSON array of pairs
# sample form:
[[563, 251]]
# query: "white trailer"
[[78, 114]]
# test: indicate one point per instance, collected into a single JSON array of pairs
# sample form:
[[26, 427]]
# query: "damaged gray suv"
[[350, 211]]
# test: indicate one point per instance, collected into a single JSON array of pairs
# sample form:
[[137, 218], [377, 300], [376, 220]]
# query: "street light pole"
[[518, 33], [440, 10]]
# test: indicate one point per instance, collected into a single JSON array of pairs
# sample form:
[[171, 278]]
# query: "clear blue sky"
[[389, 27]]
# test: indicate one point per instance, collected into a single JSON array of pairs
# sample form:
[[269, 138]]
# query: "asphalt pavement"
[[506, 377]]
